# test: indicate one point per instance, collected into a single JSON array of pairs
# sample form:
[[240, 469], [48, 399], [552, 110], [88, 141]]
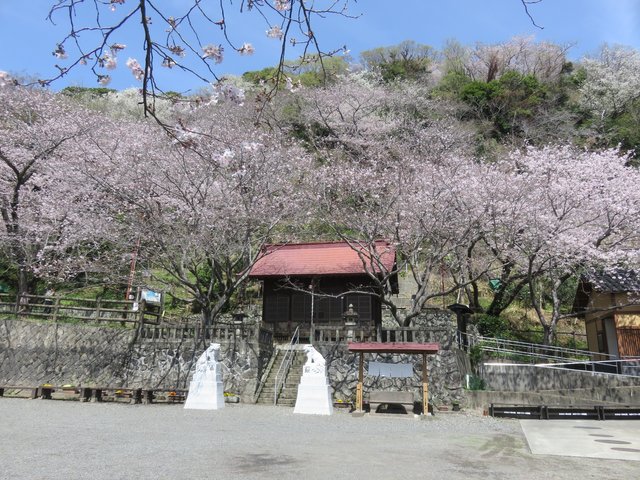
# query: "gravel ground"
[[71, 440]]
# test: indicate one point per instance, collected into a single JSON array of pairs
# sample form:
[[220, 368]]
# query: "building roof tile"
[[615, 281], [324, 258]]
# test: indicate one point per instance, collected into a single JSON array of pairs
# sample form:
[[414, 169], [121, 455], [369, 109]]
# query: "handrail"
[[534, 350], [623, 366], [286, 363]]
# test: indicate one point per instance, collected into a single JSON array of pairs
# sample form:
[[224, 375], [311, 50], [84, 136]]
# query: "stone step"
[[289, 390], [289, 399]]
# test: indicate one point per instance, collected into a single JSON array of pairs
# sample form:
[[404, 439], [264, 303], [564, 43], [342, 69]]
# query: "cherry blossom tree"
[[562, 211], [43, 197], [612, 80], [425, 210], [390, 170], [486, 62], [202, 206], [359, 113], [193, 37]]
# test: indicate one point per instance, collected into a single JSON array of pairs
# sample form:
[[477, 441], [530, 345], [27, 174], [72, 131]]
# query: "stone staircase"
[[288, 392]]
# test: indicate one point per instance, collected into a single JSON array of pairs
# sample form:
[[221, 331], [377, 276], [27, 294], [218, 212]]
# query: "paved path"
[[71, 440], [613, 439]]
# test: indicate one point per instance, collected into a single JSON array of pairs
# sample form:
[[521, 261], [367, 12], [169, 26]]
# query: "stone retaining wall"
[[444, 369], [32, 353]]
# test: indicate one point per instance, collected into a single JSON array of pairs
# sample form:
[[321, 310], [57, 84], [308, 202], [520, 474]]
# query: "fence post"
[[56, 307], [22, 302], [98, 306], [141, 308]]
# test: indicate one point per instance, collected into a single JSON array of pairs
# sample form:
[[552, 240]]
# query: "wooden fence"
[[97, 310]]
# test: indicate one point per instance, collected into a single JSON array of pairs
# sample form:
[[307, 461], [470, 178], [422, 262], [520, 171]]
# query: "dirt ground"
[[47, 439]]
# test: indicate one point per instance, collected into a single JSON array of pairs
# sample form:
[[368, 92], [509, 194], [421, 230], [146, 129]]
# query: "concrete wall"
[[528, 378], [583, 397]]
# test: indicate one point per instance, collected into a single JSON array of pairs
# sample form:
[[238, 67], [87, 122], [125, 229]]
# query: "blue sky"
[[29, 39]]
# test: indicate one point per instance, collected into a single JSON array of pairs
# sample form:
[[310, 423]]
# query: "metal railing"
[[531, 351], [624, 366], [286, 363]]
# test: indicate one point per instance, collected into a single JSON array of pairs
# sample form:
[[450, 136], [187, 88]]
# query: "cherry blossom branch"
[[525, 4]]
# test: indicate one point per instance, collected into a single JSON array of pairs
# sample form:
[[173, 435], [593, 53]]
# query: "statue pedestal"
[[314, 392], [206, 390]]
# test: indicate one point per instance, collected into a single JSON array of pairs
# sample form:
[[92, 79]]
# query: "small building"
[[313, 284], [609, 302]]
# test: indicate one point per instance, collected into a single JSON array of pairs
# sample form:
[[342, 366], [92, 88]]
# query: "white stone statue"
[[315, 364], [314, 392], [206, 389]]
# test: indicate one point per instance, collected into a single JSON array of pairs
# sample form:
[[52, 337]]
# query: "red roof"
[[327, 258], [394, 347]]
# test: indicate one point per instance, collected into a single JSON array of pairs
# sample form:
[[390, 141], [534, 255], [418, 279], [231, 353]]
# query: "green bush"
[[476, 383], [490, 326]]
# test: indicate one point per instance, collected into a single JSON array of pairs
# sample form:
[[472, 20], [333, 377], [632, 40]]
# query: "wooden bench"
[[97, 394], [379, 397], [171, 395], [34, 392]]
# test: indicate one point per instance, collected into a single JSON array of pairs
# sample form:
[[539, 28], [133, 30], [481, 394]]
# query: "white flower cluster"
[[108, 61], [282, 5], [291, 86], [213, 51], [5, 79], [136, 68], [246, 49], [231, 93], [114, 3], [275, 32]]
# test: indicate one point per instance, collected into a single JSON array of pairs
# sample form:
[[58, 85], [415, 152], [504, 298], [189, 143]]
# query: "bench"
[[33, 391], [98, 394], [379, 397], [170, 395]]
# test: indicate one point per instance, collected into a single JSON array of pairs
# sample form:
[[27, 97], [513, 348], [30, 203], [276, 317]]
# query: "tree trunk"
[[548, 334], [26, 282], [473, 294], [503, 298], [206, 315]]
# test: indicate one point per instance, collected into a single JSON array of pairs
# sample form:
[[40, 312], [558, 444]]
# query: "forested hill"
[[512, 94]]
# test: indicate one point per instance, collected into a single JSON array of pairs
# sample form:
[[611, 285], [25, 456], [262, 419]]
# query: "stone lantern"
[[350, 321], [238, 318], [238, 322], [350, 316]]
